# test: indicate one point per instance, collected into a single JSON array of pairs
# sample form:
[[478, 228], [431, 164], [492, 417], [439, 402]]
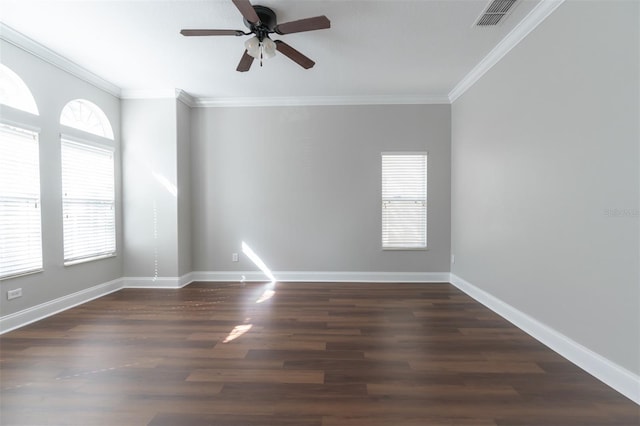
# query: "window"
[[404, 200], [88, 183], [15, 93], [20, 218], [88, 204], [86, 116]]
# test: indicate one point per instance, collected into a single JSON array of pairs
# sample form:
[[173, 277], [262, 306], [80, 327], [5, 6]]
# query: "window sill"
[[88, 259], [22, 274], [405, 248]]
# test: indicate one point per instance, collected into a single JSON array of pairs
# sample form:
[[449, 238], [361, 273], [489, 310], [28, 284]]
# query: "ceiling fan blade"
[[294, 55], [245, 62], [191, 33], [245, 7], [308, 24]]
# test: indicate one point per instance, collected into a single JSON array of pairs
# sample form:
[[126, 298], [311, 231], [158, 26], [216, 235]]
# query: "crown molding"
[[319, 101], [528, 24], [149, 93], [178, 94], [23, 42], [185, 98]]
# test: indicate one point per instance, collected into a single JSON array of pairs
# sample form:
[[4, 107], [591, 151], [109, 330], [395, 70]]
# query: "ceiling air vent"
[[495, 12]]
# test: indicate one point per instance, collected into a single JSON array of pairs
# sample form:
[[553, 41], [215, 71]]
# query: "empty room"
[[320, 213]]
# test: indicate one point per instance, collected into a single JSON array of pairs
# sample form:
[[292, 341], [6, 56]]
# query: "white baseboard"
[[306, 276], [30, 315], [43, 310], [36, 313], [610, 373], [615, 376], [157, 282], [210, 276], [186, 279]]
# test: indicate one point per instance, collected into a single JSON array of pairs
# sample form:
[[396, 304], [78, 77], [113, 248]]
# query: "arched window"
[[20, 214], [15, 93], [86, 116], [88, 184]]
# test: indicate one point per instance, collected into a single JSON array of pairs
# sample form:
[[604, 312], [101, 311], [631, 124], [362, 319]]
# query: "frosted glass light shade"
[[269, 47], [253, 47]]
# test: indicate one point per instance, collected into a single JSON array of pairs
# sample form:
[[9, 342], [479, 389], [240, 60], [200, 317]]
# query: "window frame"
[[91, 141], [383, 200], [22, 99], [29, 130], [99, 124]]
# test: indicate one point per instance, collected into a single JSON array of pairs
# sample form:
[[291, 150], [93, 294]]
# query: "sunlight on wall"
[[166, 184], [257, 261], [268, 293]]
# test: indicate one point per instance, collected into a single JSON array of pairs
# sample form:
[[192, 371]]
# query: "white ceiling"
[[374, 48]]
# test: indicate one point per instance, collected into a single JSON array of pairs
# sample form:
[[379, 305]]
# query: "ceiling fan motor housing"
[[267, 22]]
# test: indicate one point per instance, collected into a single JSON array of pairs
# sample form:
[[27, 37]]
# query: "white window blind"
[[404, 201], [88, 202], [20, 218]]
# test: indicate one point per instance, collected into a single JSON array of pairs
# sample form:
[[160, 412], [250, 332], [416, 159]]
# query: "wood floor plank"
[[450, 391], [173, 419], [476, 366], [278, 391], [288, 344], [407, 420], [256, 376], [303, 354]]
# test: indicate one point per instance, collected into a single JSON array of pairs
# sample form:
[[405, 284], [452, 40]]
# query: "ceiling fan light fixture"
[[261, 22], [253, 47], [269, 47], [260, 49]]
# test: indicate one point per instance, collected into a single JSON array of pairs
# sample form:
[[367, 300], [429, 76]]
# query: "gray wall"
[[184, 188], [301, 186], [52, 88], [156, 135], [150, 187], [544, 150]]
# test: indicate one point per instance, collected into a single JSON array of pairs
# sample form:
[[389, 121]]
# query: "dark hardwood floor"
[[293, 355]]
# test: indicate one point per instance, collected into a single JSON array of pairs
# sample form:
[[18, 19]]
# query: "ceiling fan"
[[261, 22]]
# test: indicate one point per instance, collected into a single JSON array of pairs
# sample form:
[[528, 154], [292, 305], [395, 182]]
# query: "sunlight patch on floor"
[[237, 331], [266, 295]]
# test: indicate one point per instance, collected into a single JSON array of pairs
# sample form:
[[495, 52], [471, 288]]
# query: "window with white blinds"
[[88, 202], [404, 201], [20, 218]]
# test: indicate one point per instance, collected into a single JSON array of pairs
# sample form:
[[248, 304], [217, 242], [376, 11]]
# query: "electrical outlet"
[[14, 294], [453, 258], [234, 257]]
